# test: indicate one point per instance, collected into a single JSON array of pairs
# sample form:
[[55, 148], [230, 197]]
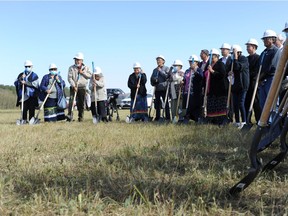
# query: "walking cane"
[[129, 118], [21, 121], [36, 120]]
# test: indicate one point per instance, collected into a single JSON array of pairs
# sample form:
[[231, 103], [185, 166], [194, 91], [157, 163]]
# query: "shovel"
[[255, 162], [70, 118], [176, 118], [150, 118], [21, 121], [129, 118], [248, 126], [203, 119], [165, 102], [95, 118], [36, 120]]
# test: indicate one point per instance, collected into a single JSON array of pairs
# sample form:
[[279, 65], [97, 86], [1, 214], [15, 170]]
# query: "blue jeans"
[[263, 91], [239, 105]]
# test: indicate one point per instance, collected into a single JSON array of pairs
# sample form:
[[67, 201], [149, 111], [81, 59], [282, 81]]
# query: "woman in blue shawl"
[[53, 85]]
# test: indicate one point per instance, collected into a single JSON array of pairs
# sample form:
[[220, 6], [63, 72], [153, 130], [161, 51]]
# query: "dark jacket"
[[218, 80], [31, 87], [159, 78], [132, 84], [45, 83], [197, 79], [267, 69], [241, 74], [253, 67]]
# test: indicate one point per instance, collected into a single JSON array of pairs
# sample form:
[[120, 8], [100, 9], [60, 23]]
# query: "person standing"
[[97, 80], [268, 70], [195, 74], [241, 83], [217, 90], [30, 80], [52, 84], [279, 41], [137, 80], [159, 79], [78, 76], [204, 55], [176, 82], [253, 58]]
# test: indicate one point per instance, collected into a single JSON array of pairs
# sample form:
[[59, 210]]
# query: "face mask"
[[53, 72], [28, 69], [175, 69]]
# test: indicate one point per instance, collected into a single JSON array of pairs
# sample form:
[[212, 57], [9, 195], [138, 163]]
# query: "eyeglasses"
[[27, 66], [53, 69]]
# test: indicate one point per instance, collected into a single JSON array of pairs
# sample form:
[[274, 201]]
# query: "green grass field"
[[131, 169]]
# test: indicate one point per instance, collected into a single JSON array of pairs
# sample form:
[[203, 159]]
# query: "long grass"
[[131, 169]]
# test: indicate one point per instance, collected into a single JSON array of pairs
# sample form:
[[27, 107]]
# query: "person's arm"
[[70, 77]]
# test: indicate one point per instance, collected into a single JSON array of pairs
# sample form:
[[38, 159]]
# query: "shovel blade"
[[20, 122], [34, 121], [95, 120]]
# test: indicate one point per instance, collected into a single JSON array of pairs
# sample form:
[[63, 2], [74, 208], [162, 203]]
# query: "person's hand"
[[75, 89], [230, 73], [210, 69], [138, 86], [80, 70], [48, 91]]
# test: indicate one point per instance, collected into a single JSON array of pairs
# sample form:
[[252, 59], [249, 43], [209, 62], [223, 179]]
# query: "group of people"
[[50, 91], [216, 89]]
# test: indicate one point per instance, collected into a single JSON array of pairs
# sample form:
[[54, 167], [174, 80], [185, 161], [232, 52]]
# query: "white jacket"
[[101, 93]]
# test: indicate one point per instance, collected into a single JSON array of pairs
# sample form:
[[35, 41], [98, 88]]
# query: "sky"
[[116, 34]]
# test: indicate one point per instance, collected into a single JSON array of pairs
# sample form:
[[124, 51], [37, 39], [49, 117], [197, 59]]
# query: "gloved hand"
[[139, 75]]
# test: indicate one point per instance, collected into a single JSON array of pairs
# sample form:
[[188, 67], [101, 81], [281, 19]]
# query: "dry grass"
[[137, 169]]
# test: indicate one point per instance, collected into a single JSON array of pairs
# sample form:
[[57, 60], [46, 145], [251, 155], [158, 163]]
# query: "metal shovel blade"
[[20, 122], [34, 121], [95, 120]]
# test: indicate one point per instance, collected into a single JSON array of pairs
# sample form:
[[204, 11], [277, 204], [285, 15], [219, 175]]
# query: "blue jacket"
[[45, 83]]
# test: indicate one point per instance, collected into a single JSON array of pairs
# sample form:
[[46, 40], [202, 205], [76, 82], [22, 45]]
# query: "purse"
[[62, 103]]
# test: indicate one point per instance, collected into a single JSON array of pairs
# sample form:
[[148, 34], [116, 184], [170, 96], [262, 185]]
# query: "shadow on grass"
[[154, 174]]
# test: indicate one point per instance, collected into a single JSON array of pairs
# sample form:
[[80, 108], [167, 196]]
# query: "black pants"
[[29, 105], [194, 107], [80, 100], [158, 104], [256, 105], [101, 110]]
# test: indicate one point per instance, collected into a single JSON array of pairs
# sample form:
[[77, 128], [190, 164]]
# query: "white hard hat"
[[280, 37], [286, 27], [225, 46], [97, 71], [136, 65], [269, 33], [79, 56], [52, 66], [28, 63], [177, 62], [252, 41], [160, 56], [193, 57], [215, 51], [237, 47]]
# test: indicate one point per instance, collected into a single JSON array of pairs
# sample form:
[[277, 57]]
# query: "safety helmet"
[[225, 46], [52, 66], [136, 65], [252, 41], [160, 56], [237, 47], [177, 62], [269, 33], [215, 51], [97, 71], [28, 63], [79, 55], [196, 59], [286, 27]]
